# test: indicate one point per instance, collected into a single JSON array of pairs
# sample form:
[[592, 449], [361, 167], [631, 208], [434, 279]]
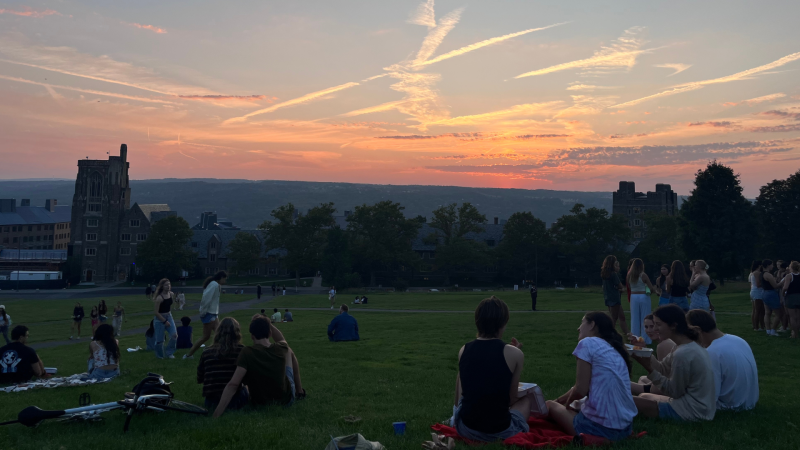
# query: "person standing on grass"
[[162, 307], [284, 289], [102, 311], [332, 295], [209, 308], [685, 376], [772, 301], [181, 301], [269, 369], [783, 317], [343, 327], [258, 291], [612, 288], [678, 285], [119, 314], [661, 282], [486, 407], [699, 287], [218, 364], [103, 354], [18, 362], [5, 323], [148, 291], [534, 296], [640, 300], [77, 319], [756, 296], [791, 295], [735, 371], [95, 317], [274, 289], [603, 376]]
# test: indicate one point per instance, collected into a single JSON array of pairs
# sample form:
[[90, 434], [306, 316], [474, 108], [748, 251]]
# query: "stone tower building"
[[633, 205], [105, 229]]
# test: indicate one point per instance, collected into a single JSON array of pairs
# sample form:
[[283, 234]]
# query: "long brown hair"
[[662, 278], [607, 268], [217, 277], [678, 274], [160, 287], [637, 267], [607, 332], [227, 338]]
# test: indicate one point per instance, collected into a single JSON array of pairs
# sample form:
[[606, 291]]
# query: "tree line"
[[715, 223]]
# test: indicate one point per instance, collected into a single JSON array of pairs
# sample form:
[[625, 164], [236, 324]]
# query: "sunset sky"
[[561, 94]]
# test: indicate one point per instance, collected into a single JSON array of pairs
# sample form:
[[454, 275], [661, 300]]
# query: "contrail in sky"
[[295, 101], [85, 91]]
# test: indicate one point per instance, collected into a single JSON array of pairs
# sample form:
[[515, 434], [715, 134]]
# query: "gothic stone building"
[[633, 205], [105, 228]]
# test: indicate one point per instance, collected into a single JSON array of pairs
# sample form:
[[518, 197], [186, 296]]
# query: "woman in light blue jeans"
[[163, 321], [641, 306]]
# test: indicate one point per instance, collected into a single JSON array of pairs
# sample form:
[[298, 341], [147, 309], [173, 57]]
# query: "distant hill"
[[248, 203]]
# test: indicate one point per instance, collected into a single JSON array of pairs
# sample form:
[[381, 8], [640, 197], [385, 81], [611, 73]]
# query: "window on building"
[[125, 251], [95, 185], [636, 210], [5, 229], [208, 270], [125, 237], [212, 257], [490, 242], [38, 228], [637, 222], [194, 244], [92, 223], [30, 227], [16, 240], [91, 236], [253, 271], [134, 223], [637, 234], [38, 238], [141, 237], [13, 229], [95, 207], [5, 240], [91, 252], [213, 245]]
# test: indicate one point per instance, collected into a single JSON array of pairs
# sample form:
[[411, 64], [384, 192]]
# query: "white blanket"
[[80, 379]]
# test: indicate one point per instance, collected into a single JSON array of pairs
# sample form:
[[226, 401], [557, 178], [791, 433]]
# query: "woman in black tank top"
[[163, 321], [791, 289], [486, 403]]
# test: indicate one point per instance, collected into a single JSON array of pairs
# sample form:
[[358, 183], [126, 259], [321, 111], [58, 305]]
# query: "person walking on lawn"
[[77, 317], [258, 291], [162, 307], [209, 309]]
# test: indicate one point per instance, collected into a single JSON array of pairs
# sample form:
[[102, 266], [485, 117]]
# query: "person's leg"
[[622, 323], [523, 406], [761, 312], [794, 321], [637, 322], [208, 328], [173, 336], [562, 416], [646, 406], [753, 315], [158, 327], [298, 384], [79, 328]]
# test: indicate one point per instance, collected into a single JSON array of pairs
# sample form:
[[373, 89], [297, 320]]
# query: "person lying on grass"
[[603, 376], [735, 371], [269, 369], [486, 405], [684, 378], [18, 362], [218, 364]]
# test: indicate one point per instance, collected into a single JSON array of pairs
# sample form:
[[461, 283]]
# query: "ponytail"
[[217, 277], [607, 332]]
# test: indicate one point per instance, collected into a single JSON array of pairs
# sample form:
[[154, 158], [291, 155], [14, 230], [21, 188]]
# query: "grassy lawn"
[[403, 369]]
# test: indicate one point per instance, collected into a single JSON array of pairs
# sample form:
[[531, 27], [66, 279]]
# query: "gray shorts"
[[517, 425]]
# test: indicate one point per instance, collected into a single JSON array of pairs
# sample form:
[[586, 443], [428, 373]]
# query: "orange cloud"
[[246, 98], [152, 28], [27, 11]]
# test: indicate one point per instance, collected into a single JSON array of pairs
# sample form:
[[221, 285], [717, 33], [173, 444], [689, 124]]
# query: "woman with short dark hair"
[[486, 404]]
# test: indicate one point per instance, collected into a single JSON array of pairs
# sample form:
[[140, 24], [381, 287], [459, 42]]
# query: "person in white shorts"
[[332, 295]]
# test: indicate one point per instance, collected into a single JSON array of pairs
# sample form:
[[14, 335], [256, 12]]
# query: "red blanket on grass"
[[543, 433]]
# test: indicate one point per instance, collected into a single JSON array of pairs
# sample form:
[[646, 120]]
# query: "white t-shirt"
[[331, 293], [735, 373], [610, 402]]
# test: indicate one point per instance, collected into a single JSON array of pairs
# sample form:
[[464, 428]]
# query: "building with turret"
[[633, 205]]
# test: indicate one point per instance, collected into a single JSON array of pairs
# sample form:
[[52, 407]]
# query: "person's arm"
[[519, 362], [675, 384], [583, 379], [276, 334], [230, 390], [458, 380], [646, 280], [332, 327], [156, 305]]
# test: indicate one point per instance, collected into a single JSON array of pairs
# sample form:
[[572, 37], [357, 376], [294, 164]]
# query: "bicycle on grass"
[[151, 394]]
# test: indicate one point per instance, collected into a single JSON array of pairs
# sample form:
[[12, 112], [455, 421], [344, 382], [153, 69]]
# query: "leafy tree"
[[166, 251], [337, 264], [586, 237], [302, 236], [660, 244], [382, 236], [525, 241], [717, 222], [245, 250], [778, 207], [454, 251]]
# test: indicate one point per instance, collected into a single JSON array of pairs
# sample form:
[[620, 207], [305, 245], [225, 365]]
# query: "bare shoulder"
[[513, 352], [460, 352]]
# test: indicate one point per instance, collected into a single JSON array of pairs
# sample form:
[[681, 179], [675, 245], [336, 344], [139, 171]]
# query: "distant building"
[[105, 228], [29, 227], [633, 205], [209, 221]]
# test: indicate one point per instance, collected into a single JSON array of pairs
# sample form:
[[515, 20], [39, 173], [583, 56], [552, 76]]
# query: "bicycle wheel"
[[179, 406]]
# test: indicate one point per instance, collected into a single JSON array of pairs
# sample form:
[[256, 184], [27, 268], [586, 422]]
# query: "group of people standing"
[[98, 316], [775, 294]]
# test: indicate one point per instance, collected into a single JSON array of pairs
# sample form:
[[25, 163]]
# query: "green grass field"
[[403, 369]]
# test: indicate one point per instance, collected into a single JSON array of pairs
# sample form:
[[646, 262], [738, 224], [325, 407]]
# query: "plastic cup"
[[399, 428]]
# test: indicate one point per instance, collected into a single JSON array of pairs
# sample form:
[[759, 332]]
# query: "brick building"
[[29, 227], [634, 205]]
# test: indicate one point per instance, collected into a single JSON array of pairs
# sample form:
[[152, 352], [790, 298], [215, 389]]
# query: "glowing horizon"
[[412, 92]]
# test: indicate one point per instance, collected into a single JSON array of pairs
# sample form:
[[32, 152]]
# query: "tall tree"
[[337, 263], [778, 217], [525, 241], [717, 222], [301, 235], [166, 251], [586, 237], [660, 244], [454, 251], [245, 250], [382, 236]]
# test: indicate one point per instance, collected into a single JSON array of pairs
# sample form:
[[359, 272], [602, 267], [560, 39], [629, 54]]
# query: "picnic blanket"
[[80, 379], [543, 433]]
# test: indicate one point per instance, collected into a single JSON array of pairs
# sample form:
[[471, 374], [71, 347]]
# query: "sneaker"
[[331, 307], [171, 356], [782, 330], [772, 333], [188, 357], [71, 338]]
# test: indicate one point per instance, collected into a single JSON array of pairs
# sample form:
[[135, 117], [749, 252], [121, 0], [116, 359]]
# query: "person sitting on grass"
[[18, 362], [276, 315], [343, 327], [218, 364], [363, 300], [663, 348], [357, 300], [486, 405], [150, 337], [603, 376], [287, 316], [104, 353], [684, 378], [735, 371], [269, 369], [185, 333]]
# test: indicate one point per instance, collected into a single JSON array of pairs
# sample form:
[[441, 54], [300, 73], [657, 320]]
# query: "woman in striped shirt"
[[218, 363]]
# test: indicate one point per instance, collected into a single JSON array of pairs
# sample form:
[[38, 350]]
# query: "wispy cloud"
[[712, 124], [524, 110], [152, 28], [481, 44], [295, 101], [757, 100], [726, 79], [246, 98], [27, 11], [621, 54], [577, 86], [424, 15], [436, 35], [50, 88], [782, 114], [587, 104], [677, 67]]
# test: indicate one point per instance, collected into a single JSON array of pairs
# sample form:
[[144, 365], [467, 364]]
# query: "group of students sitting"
[[697, 371]]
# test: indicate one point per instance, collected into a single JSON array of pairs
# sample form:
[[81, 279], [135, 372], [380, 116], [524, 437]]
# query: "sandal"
[[439, 442]]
